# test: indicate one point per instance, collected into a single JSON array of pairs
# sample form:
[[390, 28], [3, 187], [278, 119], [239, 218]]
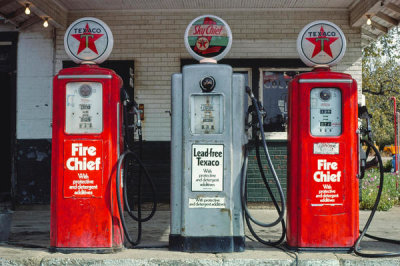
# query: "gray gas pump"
[[207, 145]]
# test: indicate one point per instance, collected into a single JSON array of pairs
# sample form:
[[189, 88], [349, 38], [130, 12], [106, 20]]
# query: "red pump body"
[[322, 168], [86, 144]]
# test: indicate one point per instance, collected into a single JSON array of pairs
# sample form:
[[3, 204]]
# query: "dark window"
[[274, 96], [268, 78], [124, 68]]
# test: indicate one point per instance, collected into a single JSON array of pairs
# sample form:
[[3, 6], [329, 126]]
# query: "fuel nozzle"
[[249, 92], [253, 111], [365, 128], [137, 113]]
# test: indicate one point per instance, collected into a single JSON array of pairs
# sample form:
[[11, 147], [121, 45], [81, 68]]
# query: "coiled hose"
[[371, 216], [280, 209]]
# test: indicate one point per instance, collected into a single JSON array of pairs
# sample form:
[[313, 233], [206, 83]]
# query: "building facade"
[[148, 49]]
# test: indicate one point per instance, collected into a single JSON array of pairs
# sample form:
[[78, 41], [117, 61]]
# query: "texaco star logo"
[[322, 43], [202, 43], [87, 39]]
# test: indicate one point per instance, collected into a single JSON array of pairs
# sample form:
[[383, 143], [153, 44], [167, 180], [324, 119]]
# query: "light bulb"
[[46, 23], [369, 22], [27, 10]]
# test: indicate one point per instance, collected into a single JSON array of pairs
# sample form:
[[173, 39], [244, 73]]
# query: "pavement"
[[30, 238]]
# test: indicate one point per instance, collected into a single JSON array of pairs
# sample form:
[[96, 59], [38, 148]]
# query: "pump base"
[[322, 249], [207, 244], [86, 250]]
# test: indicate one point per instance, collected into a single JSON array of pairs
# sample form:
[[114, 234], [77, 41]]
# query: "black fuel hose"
[[248, 216], [122, 162], [139, 190], [281, 210], [371, 216], [137, 218]]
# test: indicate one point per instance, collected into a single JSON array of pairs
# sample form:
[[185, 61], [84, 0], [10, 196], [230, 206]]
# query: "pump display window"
[[274, 97]]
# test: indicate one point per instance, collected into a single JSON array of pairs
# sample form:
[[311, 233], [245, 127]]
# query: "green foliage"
[[370, 185], [387, 166], [381, 81]]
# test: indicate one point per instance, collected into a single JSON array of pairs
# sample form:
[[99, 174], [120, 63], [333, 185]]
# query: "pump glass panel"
[[206, 114], [84, 108], [326, 112]]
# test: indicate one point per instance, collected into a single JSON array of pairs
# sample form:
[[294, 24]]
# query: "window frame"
[[249, 71]]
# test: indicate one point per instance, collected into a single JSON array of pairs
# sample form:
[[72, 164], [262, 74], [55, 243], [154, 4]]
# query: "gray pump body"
[[207, 152]]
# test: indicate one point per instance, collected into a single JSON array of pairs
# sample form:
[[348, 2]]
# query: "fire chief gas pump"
[[86, 145], [323, 146], [207, 145], [92, 142]]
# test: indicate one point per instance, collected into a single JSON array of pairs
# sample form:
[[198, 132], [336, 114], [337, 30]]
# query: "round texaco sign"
[[88, 40], [321, 43], [208, 36]]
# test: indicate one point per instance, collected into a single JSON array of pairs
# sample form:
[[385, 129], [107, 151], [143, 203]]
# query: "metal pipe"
[[396, 161], [398, 142]]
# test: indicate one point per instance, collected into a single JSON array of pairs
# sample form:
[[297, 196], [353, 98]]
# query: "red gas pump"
[[86, 144], [322, 146]]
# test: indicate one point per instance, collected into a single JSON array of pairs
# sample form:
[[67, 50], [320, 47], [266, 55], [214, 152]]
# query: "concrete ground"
[[29, 241]]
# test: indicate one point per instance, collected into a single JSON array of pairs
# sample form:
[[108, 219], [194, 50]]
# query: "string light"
[[369, 22], [27, 10], [46, 22]]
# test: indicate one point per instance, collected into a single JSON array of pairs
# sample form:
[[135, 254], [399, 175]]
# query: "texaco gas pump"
[[207, 145], [323, 146], [86, 144]]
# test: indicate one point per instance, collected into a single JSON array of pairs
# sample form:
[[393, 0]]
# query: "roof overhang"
[[384, 14]]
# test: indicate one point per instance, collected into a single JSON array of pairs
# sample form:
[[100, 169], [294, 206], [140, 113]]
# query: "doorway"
[[8, 66], [5, 181]]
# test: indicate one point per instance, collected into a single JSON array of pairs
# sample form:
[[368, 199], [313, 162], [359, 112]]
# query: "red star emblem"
[[322, 43], [202, 43], [87, 39]]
